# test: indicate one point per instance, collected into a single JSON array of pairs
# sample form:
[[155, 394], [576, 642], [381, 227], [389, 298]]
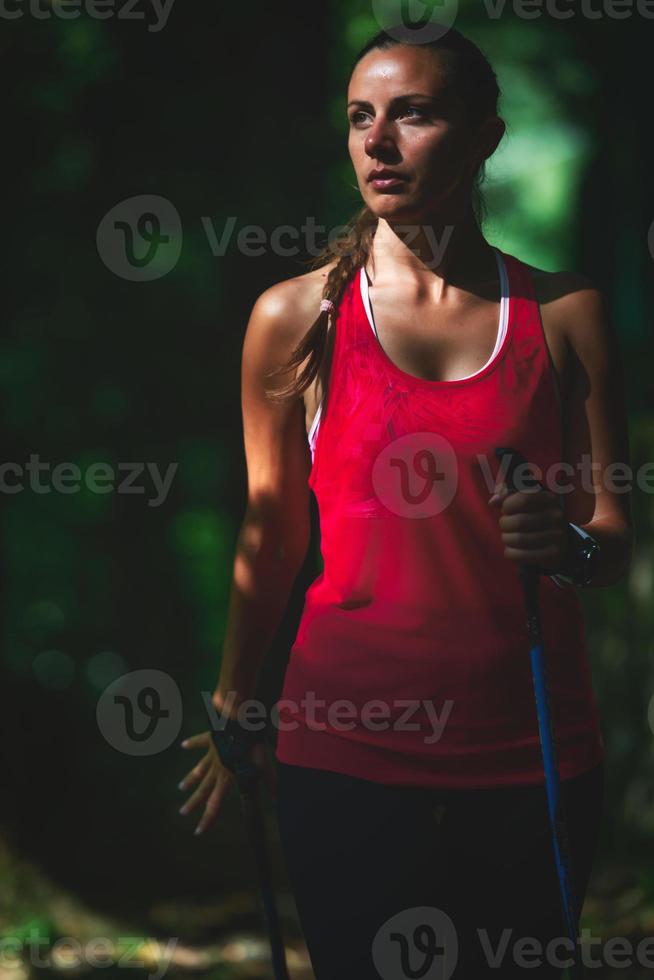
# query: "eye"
[[421, 113], [412, 111]]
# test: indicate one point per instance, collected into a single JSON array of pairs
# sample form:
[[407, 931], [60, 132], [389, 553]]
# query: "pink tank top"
[[411, 660]]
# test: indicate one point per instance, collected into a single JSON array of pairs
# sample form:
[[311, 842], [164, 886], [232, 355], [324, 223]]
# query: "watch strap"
[[234, 743]]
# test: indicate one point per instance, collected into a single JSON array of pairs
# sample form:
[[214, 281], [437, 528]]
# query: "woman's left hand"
[[533, 526]]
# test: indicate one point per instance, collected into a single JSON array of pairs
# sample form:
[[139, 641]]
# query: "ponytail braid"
[[353, 250]]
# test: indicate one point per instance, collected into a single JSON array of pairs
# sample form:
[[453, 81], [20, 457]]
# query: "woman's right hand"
[[217, 779]]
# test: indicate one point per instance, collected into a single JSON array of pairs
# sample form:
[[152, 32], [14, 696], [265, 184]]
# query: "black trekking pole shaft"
[[251, 805], [234, 748]]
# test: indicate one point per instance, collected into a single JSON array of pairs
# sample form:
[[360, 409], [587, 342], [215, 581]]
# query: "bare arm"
[[596, 432], [274, 535]]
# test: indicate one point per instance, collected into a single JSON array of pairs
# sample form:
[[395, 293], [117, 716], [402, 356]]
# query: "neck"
[[450, 248]]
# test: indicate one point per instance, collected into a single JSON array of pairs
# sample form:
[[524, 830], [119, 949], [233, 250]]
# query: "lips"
[[384, 174]]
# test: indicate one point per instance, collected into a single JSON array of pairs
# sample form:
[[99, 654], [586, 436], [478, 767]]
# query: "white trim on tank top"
[[501, 331]]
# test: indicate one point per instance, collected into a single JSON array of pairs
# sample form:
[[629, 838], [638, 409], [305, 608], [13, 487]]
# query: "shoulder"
[[572, 304], [285, 311], [279, 320]]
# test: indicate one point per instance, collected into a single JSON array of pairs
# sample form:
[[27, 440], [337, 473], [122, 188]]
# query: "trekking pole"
[[233, 747], [558, 821]]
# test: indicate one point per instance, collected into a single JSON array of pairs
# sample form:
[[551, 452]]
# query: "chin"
[[394, 207]]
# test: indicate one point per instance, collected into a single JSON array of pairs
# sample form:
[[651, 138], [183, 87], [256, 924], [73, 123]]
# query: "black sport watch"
[[582, 564]]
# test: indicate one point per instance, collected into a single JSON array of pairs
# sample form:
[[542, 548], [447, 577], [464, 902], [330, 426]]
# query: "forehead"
[[382, 75]]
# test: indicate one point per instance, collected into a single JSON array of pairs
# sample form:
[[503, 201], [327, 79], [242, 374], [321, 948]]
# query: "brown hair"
[[469, 71]]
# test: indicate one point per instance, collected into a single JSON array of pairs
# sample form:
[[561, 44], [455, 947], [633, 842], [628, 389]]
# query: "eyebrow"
[[398, 98]]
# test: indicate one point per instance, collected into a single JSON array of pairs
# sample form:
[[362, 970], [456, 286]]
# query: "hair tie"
[[326, 304]]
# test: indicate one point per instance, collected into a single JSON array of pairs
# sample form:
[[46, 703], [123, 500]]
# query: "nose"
[[378, 138]]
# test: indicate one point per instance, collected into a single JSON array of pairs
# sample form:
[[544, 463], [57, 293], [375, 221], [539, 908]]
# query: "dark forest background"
[[237, 112]]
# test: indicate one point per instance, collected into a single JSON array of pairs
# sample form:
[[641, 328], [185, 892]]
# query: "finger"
[[195, 741], [195, 773], [524, 500], [499, 493], [214, 803], [536, 520], [524, 497], [532, 557], [529, 540], [200, 794]]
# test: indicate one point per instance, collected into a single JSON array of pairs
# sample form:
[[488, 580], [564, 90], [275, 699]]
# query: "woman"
[[409, 773]]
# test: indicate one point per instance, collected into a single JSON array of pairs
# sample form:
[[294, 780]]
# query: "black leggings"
[[360, 853]]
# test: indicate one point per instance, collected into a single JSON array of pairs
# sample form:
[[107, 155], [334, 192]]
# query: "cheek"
[[361, 162], [443, 151], [355, 149]]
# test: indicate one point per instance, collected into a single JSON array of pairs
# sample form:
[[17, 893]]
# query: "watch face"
[[584, 550], [589, 562]]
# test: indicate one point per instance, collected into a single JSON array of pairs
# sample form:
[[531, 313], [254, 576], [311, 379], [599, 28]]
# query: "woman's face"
[[402, 118]]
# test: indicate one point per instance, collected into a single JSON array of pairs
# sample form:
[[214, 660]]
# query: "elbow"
[[273, 541], [291, 552]]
